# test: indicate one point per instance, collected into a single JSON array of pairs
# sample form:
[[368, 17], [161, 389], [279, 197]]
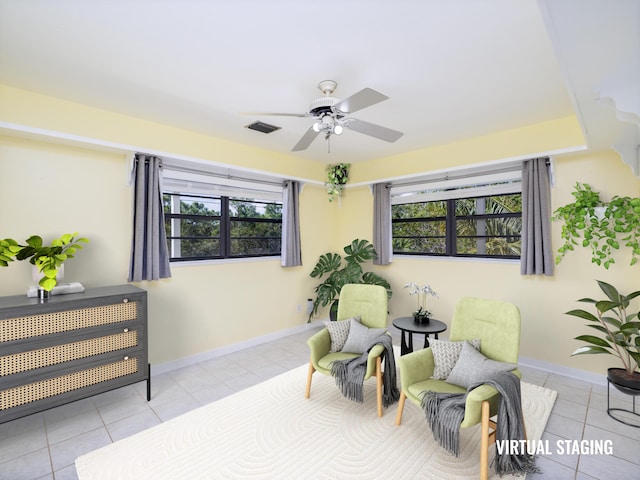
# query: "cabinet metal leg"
[[148, 382]]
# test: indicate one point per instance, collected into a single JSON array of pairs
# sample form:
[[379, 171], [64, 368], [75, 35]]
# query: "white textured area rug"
[[270, 431]]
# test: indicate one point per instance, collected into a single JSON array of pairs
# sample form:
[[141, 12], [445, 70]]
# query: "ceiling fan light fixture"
[[331, 116]]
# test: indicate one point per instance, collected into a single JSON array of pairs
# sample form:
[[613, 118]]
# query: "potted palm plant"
[[339, 274], [618, 335]]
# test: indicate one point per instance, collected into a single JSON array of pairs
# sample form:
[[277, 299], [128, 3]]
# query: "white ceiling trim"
[[212, 166], [503, 164]]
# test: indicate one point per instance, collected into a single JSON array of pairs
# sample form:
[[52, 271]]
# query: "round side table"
[[408, 327]]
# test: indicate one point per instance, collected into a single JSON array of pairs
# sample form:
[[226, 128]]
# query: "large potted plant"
[[339, 273], [603, 227], [47, 259], [618, 335]]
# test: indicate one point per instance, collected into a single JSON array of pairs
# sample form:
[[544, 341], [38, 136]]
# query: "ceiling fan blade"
[[364, 98], [383, 133], [306, 140], [278, 114]]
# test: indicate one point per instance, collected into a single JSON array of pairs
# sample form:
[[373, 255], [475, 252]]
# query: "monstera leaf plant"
[[338, 271]]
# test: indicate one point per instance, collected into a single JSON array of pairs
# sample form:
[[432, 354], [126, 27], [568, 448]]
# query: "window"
[[201, 227], [472, 218]]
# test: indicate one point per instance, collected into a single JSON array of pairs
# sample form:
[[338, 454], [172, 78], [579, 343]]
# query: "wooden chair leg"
[[484, 442], [309, 375], [403, 397], [379, 385]]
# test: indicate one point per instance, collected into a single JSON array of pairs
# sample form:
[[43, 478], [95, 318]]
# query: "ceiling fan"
[[331, 116]]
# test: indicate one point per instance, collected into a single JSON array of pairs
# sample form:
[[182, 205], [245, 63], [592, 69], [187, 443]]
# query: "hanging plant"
[[337, 177], [602, 227]]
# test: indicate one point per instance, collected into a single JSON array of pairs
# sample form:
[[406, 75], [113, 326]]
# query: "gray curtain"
[[149, 252], [291, 255], [537, 255], [382, 223]]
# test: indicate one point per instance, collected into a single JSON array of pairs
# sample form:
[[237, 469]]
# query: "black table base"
[[408, 327]]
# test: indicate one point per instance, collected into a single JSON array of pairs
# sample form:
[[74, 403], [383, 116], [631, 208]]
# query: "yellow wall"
[[39, 111], [51, 189], [520, 142], [547, 334]]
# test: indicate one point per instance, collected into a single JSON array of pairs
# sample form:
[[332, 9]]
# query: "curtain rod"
[[447, 176], [227, 176]]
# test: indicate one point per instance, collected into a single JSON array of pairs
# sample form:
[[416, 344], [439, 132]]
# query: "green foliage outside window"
[[221, 227], [484, 226]]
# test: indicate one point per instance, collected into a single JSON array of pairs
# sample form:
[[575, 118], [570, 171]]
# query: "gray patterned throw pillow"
[[338, 331], [445, 356], [361, 336], [473, 367]]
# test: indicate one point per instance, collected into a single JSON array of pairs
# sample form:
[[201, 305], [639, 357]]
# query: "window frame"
[[450, 196], [225, 219]]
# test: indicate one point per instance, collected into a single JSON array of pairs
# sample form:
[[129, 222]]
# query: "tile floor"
[[44, 446]]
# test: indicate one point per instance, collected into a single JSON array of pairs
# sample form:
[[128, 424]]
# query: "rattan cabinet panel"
[[70, 347]]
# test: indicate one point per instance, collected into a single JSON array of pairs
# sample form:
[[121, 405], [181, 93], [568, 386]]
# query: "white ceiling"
[[453, 69]]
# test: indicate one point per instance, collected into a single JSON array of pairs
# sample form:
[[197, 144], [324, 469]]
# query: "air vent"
[[262, 127]]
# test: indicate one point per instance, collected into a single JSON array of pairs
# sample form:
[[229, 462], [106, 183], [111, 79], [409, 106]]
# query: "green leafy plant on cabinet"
[[46, 258]]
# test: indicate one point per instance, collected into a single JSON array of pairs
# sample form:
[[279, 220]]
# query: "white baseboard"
[[565, 371], [161, 368], [165, 367]]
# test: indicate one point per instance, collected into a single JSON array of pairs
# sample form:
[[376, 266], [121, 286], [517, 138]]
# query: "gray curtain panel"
[[291, 255], [382, 223], [149, 252], [537, 255]]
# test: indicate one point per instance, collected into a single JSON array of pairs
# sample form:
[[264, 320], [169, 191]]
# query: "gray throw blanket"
[[445, 412], [349, 374]]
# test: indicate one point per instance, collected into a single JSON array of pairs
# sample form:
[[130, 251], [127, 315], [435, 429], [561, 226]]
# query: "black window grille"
[[487, 226], [203, 227]]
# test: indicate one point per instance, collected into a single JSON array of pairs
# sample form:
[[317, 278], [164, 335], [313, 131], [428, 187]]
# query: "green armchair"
[[370, 303], [497, 325]]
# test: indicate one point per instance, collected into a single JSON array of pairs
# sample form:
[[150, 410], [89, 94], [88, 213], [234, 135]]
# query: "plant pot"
[[43, 295], [36, 275], [421, 319], [623, 381], [599, 212], [333, 311]]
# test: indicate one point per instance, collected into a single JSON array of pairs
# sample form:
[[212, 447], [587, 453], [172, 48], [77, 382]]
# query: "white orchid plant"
[[421, 291]]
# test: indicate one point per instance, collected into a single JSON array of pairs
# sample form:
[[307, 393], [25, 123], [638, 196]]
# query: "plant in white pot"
[[603, 227], [46, 258], [337, 177]]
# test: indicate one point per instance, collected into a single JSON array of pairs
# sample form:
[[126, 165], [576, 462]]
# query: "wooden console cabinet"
[[70, 347]]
